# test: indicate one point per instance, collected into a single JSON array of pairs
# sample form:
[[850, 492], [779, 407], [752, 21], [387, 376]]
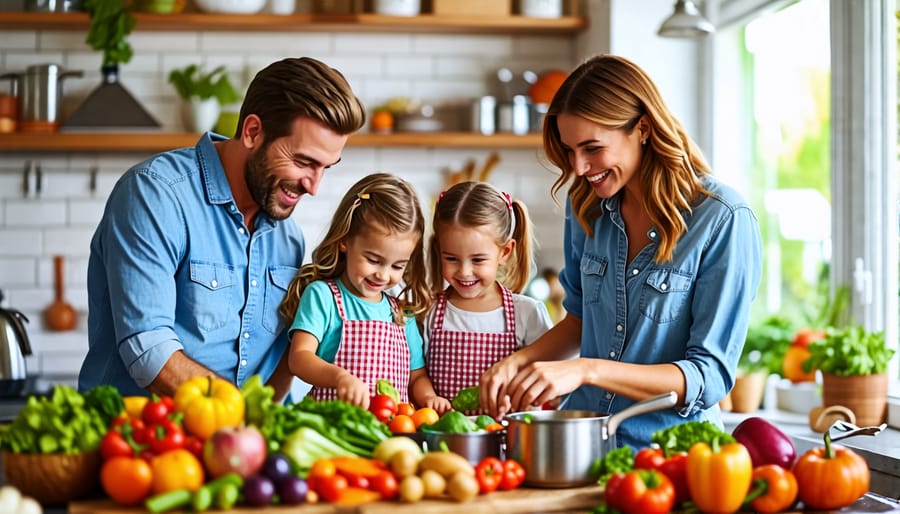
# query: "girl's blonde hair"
[[379, 200], [479, 204], [616, 94]]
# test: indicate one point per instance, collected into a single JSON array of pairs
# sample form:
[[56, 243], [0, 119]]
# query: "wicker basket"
[[53, 478]]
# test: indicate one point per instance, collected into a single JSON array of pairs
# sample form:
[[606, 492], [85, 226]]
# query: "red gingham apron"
[[371, 350], [456, 360]]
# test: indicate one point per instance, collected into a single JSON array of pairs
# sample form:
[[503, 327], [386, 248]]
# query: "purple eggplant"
[[765, 442]]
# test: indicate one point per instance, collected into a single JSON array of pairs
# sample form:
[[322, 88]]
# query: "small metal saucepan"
[[558, 447]]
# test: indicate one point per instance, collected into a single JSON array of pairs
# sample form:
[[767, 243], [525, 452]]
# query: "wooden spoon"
[[60, 315]]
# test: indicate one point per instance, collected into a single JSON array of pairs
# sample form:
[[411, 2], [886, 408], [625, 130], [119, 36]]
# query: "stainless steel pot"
[[40, 91], [557, 448], [474, 446]]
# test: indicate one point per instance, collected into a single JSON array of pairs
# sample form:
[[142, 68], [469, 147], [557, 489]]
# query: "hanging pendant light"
[[686, 22]]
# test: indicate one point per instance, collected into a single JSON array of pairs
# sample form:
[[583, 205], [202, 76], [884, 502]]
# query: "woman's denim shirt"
[[692, 311], [173, 267]]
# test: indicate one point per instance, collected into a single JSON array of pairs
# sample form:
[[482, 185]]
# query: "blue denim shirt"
[[692, 311], [172, 267]]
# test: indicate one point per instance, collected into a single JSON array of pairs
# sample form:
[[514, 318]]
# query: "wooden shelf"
[[192, 21], [155, 141]]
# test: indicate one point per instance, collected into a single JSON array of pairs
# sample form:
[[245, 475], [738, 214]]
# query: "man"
[[195, 250]]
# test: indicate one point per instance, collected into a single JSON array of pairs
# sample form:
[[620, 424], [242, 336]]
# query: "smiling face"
[[470, 257], [607, 158], [376, 260], [280, 171]]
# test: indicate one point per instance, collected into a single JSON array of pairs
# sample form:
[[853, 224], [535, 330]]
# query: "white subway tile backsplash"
[[67, 241], [543, 47], [20, 60], [17, 271], [85, 212], [35, 213], [372, 44], [18, 242], [12, 185], [62, 363], [455, 44], [62, 40], [19, 40], [409, 66], [155, 43]]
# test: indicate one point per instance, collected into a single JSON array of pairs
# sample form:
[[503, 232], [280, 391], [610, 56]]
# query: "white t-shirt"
[[532, 320]]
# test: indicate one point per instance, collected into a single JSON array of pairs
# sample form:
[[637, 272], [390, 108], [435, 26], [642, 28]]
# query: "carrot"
[[494, 427], [356, 466], [357, 496]]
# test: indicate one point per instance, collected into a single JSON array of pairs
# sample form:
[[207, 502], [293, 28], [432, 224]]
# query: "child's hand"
[[439, 403], [352, 390]]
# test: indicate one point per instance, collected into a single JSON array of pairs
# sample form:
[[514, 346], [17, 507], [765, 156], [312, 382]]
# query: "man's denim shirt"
[[692, 311], [173, 267]]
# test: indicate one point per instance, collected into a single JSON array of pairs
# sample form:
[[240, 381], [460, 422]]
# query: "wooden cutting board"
[[508, 502]]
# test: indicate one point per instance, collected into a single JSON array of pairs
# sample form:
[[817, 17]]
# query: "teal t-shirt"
[[318, 315]]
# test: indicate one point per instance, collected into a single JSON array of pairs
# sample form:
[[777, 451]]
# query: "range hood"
[[110, 106]]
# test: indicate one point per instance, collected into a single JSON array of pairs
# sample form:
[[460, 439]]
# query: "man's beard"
[[264, 187]]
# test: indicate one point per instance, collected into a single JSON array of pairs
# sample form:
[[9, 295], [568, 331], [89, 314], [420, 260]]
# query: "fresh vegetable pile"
[[696, 466]]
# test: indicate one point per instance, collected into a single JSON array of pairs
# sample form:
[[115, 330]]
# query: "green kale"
[[618, 460], [680, 437], [467, 399]]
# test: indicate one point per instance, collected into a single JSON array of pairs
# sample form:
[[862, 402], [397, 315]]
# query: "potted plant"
[[764, 349], [204, 94], [854, 363]]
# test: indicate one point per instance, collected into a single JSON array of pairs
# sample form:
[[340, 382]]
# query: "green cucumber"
[[171, 500]]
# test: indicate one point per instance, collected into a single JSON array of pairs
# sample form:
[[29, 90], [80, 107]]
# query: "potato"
[[412, 489], [445, 463], [435, 484], [462, 487], [404, 463]]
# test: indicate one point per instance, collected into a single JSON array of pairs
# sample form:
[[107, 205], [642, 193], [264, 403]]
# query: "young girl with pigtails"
[[347, 331], [480, 260]]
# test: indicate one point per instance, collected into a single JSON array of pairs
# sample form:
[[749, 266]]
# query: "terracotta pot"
[[865, 395], [747, 393]]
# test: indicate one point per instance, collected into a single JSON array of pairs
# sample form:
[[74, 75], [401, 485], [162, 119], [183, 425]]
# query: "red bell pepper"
[[166, 436], [673, 466], [640, 491], [489, 473], [124, 438]]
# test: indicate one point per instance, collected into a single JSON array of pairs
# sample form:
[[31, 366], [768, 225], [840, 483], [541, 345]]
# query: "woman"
[[662, 262]]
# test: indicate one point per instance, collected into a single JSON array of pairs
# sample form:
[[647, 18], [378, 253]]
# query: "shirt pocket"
[[279, 278], [211, 294], [665, 293], [593, 269]]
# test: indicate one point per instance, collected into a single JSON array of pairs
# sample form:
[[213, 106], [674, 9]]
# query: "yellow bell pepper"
[[209, 403], [134, 406], [718, 476]]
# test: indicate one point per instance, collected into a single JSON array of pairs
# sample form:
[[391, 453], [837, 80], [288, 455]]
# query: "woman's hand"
[[541, 382], [352, 390], [493, 386]]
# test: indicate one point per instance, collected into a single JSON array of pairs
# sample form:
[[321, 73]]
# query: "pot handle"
[[660, 402]]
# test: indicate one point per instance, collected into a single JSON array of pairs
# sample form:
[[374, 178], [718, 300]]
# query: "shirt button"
[[246, 335], [612, 354], [214, 283], [635, 271], [663, 286], [652, 234], [244, 362], [241, 230], [619, 328], [232, 208], [608, 396], [253, 283]]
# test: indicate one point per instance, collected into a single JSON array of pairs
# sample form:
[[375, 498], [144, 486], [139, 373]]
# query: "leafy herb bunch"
[[191, 81], [111, 22], [849, 351]]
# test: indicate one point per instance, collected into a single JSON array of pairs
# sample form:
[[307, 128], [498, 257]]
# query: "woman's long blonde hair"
[[615, 93], [479, 204], [379, 200]]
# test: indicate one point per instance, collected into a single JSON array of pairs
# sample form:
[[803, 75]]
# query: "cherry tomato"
[[402, 424], [157, 409], [331, 488], [127, 480], [114, 444], [383, 407], [513, 475], [385, 484], [649, 458], [405, 408]]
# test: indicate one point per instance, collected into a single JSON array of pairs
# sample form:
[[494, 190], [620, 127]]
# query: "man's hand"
[[178, 368]]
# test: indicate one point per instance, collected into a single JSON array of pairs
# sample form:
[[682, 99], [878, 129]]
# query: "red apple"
[[241, 450]]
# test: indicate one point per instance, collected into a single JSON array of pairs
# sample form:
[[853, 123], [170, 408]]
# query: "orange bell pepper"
[[831, 477], [208, 404], [718, 476]]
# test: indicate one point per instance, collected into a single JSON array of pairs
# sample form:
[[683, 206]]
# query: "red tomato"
[[640, 491], [489, 473], [402, 424], [157, 409], [383, 407], [385, 484], [331, 488], [127, 480], [675, 467], [405, 408], [513, 475], [649, 458], [114, 444]]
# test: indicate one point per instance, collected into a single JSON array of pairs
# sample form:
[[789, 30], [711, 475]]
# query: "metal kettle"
[[14, 344]]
